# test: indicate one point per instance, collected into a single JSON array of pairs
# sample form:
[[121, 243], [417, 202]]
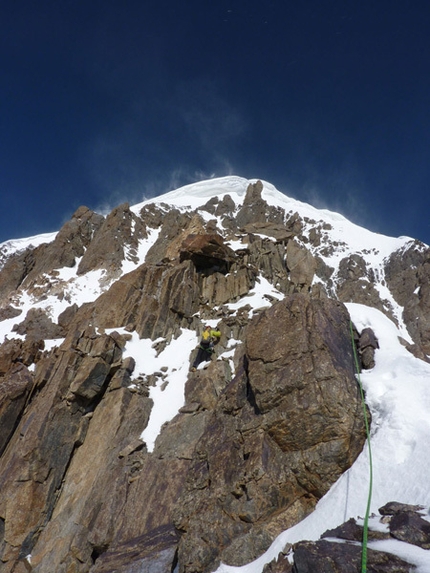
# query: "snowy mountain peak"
[[260, 443]]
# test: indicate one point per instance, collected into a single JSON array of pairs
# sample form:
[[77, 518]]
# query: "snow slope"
[[397, 389]]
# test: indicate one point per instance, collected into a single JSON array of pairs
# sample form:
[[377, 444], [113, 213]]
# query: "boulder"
[[367, 344], [323, 556], [411, 528]]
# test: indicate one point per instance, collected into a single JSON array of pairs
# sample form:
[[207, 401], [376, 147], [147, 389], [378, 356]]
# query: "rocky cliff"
[[263, 429]]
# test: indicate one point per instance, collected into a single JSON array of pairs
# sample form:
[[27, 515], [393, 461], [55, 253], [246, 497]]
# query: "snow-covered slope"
[[397, 389]]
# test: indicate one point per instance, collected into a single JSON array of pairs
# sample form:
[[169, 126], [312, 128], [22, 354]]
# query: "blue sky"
[[106, 101]]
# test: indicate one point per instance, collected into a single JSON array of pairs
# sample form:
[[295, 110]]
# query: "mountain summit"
[[116, 454]]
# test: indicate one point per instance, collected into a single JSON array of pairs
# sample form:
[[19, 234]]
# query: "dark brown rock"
[[15, 389], [9, 312], [367, 344], [254, 207], [91, 502], [411, 528], [65, 318], [208, 253], [301, 265], [327, 557], [278, 232], [90, 379], [14, 271], [10, 353], [153, 300], [279, 565], [47, 434], [225, 206], [176, 226], [351, 531], [205, 386], [394, 507], [217, 288], [154, 552], [269, 257], [356, 282], [39, 326]]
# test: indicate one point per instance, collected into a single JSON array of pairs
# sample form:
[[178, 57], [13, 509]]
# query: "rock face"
[[408, 274], [265, 429], [262, 461]]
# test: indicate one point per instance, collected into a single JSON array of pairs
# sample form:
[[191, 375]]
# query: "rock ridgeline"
[[261, 436]]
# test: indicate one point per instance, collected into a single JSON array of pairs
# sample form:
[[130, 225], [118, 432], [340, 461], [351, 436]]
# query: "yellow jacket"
[[211, 335]]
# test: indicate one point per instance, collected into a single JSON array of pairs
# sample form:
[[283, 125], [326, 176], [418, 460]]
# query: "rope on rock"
[[369, 497]]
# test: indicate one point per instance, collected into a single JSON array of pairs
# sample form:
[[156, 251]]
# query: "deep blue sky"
[[104, 101]]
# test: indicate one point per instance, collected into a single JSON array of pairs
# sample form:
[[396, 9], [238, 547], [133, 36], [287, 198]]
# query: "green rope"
[[369, 498]]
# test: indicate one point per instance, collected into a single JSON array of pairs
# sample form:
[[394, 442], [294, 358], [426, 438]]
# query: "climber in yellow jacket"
[[210, 337]]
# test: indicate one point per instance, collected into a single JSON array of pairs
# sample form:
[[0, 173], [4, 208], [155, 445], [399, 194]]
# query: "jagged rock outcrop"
[[117, 238], [255, 209], [9, 312], [271, 474], [265, 429], [228, 427], [38, 326], [15, 351], [70, 243], [15, 390], [175, 228], [154, 300], [301, 265], [46, 437], [357, 282], [269, 258], [408, 278]]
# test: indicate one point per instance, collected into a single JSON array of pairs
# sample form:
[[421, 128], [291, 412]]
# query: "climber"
[[210, 337]]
